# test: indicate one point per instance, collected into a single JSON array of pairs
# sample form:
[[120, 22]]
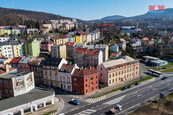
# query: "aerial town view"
[[86, 57]]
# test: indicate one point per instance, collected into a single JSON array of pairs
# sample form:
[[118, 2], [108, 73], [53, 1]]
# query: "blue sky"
[[87, 9]]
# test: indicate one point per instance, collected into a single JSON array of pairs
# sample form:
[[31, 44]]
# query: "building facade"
[[85, 81], [58, 51], [85, 57], [23, 64], [46, 45], [117, 71], [51, 68]]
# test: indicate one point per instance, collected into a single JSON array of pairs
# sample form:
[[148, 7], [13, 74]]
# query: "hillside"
[[17, 16], [168, 14]]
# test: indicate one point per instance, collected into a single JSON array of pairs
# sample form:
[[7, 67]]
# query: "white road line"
[[114, 100]]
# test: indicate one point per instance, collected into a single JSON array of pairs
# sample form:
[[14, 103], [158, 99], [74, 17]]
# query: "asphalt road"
[[126, 99]]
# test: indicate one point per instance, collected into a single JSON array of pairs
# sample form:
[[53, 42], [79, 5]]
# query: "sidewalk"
[[107, 89]]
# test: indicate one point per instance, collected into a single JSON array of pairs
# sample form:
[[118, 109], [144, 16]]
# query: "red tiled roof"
[[70, 43], [85, 72], [60, 37], [87, 51], [113, 55], [15, 60], [120, 65], [145, 39], [67, 67], [2, 69]]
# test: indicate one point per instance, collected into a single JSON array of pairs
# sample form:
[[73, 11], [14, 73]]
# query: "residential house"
[[32, 31], [103, 47], [85, 57], [85, 81], [58, 51], [60, 39], [118, 71], [114, 48], [88, 36], [36, 66], [31, 47], [23, 64], [4, 39], [70, 37], [14, 62], [70, 50], [15, 31], [64, 76], [2, 31], [122, 44], [46, 45], [51, 68], [136, 42]]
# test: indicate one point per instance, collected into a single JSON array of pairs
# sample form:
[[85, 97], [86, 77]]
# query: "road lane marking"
[[86, 112], [114, 100]]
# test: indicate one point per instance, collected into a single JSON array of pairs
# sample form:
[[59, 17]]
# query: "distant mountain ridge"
[[168, 14], [13, 16]]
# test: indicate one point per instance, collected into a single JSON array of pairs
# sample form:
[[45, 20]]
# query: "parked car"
[[138, 83], [75, 101], [130, 86], [164, 78], [116, 109], [124, 88]]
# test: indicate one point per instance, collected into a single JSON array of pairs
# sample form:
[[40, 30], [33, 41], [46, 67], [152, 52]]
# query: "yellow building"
[[8, 31], [16, 50], [2, 31], [60, 39], [118, 71], [78, 39], [84, 38]]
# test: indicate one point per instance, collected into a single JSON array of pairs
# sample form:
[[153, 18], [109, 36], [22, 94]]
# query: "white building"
[[4, 39], [114, 48]]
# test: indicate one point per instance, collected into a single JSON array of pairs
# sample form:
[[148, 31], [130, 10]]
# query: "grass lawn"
[[141, 80], [165, 108], [168, 70], [50, 112], [170, 64]]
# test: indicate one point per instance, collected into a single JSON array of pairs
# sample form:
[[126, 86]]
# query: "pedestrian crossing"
[[95, 100], [86, 112]]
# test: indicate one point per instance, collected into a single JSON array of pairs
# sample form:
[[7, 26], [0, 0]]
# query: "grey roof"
[[13, 74], [97, 46], [114, 62], [79, 45], [52, 62], [26, 59], [35, 94]]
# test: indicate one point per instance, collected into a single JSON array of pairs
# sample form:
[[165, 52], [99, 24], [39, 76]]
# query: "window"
[[113, 74], [96, 82], [116, 73], [11, 92], [75, 85], [91, 78], [109, 75], [86, 80], [9, 83], [112, 80], [86, 90], [119, 72], [74, 79], [86, 85], [96, 87], [122, 72], [91, 84], [6, 91], [101, 69], [96, 77], [100, 74], [81, 86], [80, 80], [109, 81], [5, 82], [91, 89], [0, 82]]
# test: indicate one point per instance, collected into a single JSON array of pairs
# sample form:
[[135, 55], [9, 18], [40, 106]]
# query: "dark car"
[[130, 86], [138, 83], [124, 88], [164, 78]]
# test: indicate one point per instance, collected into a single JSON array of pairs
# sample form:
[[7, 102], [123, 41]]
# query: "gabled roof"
[[15, 60], [2, 70], [87, 51], [52, 62], [26, 59], [59, 37], [67, 68], [70, 43], [84, 72]]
